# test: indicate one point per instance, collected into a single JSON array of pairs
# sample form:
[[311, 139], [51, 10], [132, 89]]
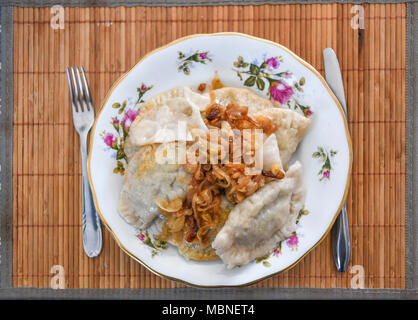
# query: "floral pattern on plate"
[[326, 157], [157, 246], [266, 74], [186, 61], [126, 114]]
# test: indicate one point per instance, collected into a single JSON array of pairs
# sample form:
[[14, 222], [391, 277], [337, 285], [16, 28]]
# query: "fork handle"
[[92, 232], [341, 244]]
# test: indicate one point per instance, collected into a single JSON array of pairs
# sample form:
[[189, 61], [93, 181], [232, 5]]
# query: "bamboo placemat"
[[108, 41]]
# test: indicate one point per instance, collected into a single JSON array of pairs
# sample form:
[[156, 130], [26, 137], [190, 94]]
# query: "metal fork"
[[83, 118]]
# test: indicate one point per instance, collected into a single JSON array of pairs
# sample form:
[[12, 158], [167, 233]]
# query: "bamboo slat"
[[108, 41]]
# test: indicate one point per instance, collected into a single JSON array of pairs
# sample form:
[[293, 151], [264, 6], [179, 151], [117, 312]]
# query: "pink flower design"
[[308, 112], [129, 117], [203, 55], [326, 174], [292, 241], [110, 139], [141, 236], [272, 63], [276, 252], [115, 121], [281, 92], [143, 87]]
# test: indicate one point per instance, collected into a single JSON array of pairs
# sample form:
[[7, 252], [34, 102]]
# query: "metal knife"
[[341, 243]]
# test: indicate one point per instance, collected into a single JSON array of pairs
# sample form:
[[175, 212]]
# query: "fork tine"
[[77, 98], [71, 91], [87, 88], [82, 95]]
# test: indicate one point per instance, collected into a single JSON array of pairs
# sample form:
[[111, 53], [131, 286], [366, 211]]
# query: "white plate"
[[166, 68]]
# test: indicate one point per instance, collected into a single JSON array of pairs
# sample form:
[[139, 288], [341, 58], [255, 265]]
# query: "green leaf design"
[[325, 156], [266, 264], [156, 245], [240, 63], [120, 154], [254, 69], [185, 62], [302, 212], [193, 57], [250, 81], [260, 84], [327, 164], [302, 81], [116, 105]]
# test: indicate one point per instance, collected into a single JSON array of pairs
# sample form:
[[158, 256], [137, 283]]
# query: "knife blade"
[[333, 76], [341, 243]]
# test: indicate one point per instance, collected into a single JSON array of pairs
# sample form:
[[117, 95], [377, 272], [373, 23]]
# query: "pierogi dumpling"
[[291, 128], [167, 117], [147, 178], [256, 225]]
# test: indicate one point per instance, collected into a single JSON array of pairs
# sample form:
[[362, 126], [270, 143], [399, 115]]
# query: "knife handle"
[[92, 232], [341, 243]]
